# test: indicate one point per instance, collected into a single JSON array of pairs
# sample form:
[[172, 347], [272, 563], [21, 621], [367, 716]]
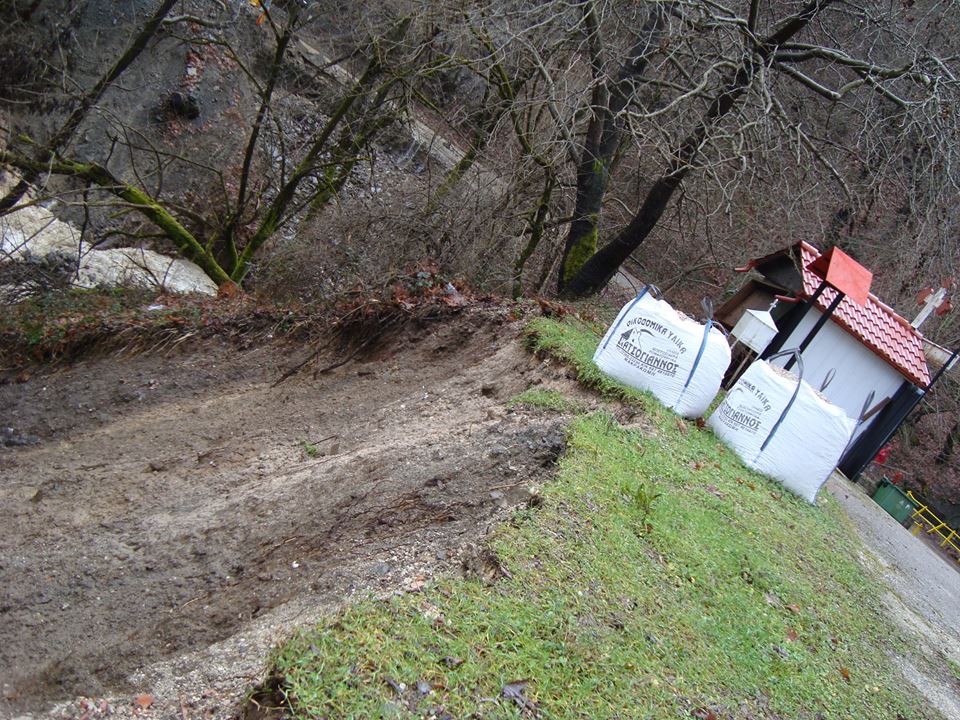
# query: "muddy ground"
[[168, 515]]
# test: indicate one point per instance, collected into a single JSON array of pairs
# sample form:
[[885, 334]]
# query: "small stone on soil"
[[13, 438]]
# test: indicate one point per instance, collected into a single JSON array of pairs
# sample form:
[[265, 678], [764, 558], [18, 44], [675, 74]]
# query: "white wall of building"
[[859, 369]]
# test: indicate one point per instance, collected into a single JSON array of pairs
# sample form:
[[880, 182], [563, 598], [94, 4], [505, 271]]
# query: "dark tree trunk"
[[946, 450], [597, 271], [536, 226], [604, 136]]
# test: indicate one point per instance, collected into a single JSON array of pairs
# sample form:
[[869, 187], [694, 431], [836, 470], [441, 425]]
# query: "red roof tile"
[[876, 325]]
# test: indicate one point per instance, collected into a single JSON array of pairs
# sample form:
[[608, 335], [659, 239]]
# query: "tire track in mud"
[[141, 542]]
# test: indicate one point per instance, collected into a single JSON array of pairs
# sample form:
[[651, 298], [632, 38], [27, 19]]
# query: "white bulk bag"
[[777, 424], [651, 346]]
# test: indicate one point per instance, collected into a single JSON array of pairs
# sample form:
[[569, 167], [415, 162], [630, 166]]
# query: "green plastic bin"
[[894, 500]]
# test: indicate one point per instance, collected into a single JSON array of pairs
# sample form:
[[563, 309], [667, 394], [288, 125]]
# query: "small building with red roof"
[[864, 347]]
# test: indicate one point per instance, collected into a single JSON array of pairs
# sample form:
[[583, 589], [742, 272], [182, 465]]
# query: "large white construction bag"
[[651, 346], [779, 425]]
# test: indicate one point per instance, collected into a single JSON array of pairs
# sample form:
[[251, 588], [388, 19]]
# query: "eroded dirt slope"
[[166, 504]]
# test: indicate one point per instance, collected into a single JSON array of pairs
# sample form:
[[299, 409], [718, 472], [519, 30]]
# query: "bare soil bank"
[[164, 504]]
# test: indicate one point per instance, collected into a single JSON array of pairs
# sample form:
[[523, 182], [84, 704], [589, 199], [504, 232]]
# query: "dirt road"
[[922, 599], [165, 504]]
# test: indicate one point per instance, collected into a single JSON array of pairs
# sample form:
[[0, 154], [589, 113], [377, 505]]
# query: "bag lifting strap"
[[710, 322], [776, 426], [654, 290]]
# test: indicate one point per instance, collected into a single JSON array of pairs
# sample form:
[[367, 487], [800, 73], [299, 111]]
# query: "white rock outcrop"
[[35, 232]]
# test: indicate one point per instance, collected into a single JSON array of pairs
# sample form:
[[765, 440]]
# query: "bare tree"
[[806, 112], [578, 128], [741, 73], [253, 209]]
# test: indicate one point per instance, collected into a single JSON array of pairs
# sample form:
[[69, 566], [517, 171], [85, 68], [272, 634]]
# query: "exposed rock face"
[[182, 105], [34, 233], [142, 268]]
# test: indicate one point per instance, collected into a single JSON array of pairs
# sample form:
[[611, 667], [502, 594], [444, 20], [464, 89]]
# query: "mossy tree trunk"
[[220, 258], [344, 155], [186, 242], [604, 137]]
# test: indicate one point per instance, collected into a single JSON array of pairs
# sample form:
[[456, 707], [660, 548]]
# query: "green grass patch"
[[309, 449], [659, 578], [546, 400], [574, 343]]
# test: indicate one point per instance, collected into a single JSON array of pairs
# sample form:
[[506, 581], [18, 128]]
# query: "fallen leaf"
[[229, 290], [701, 423], [681, 426], [432, 613], [845, 673], [776, 496], [452, 662], [143, 701], [516, 691], [712, 489], [554, 309], [791, 635], [703, 714], [794, 608], [416, 584]]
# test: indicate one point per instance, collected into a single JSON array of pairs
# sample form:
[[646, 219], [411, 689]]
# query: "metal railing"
[[927, 520]]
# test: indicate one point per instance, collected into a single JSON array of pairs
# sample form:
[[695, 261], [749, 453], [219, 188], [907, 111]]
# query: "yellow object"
[[924, 516]]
